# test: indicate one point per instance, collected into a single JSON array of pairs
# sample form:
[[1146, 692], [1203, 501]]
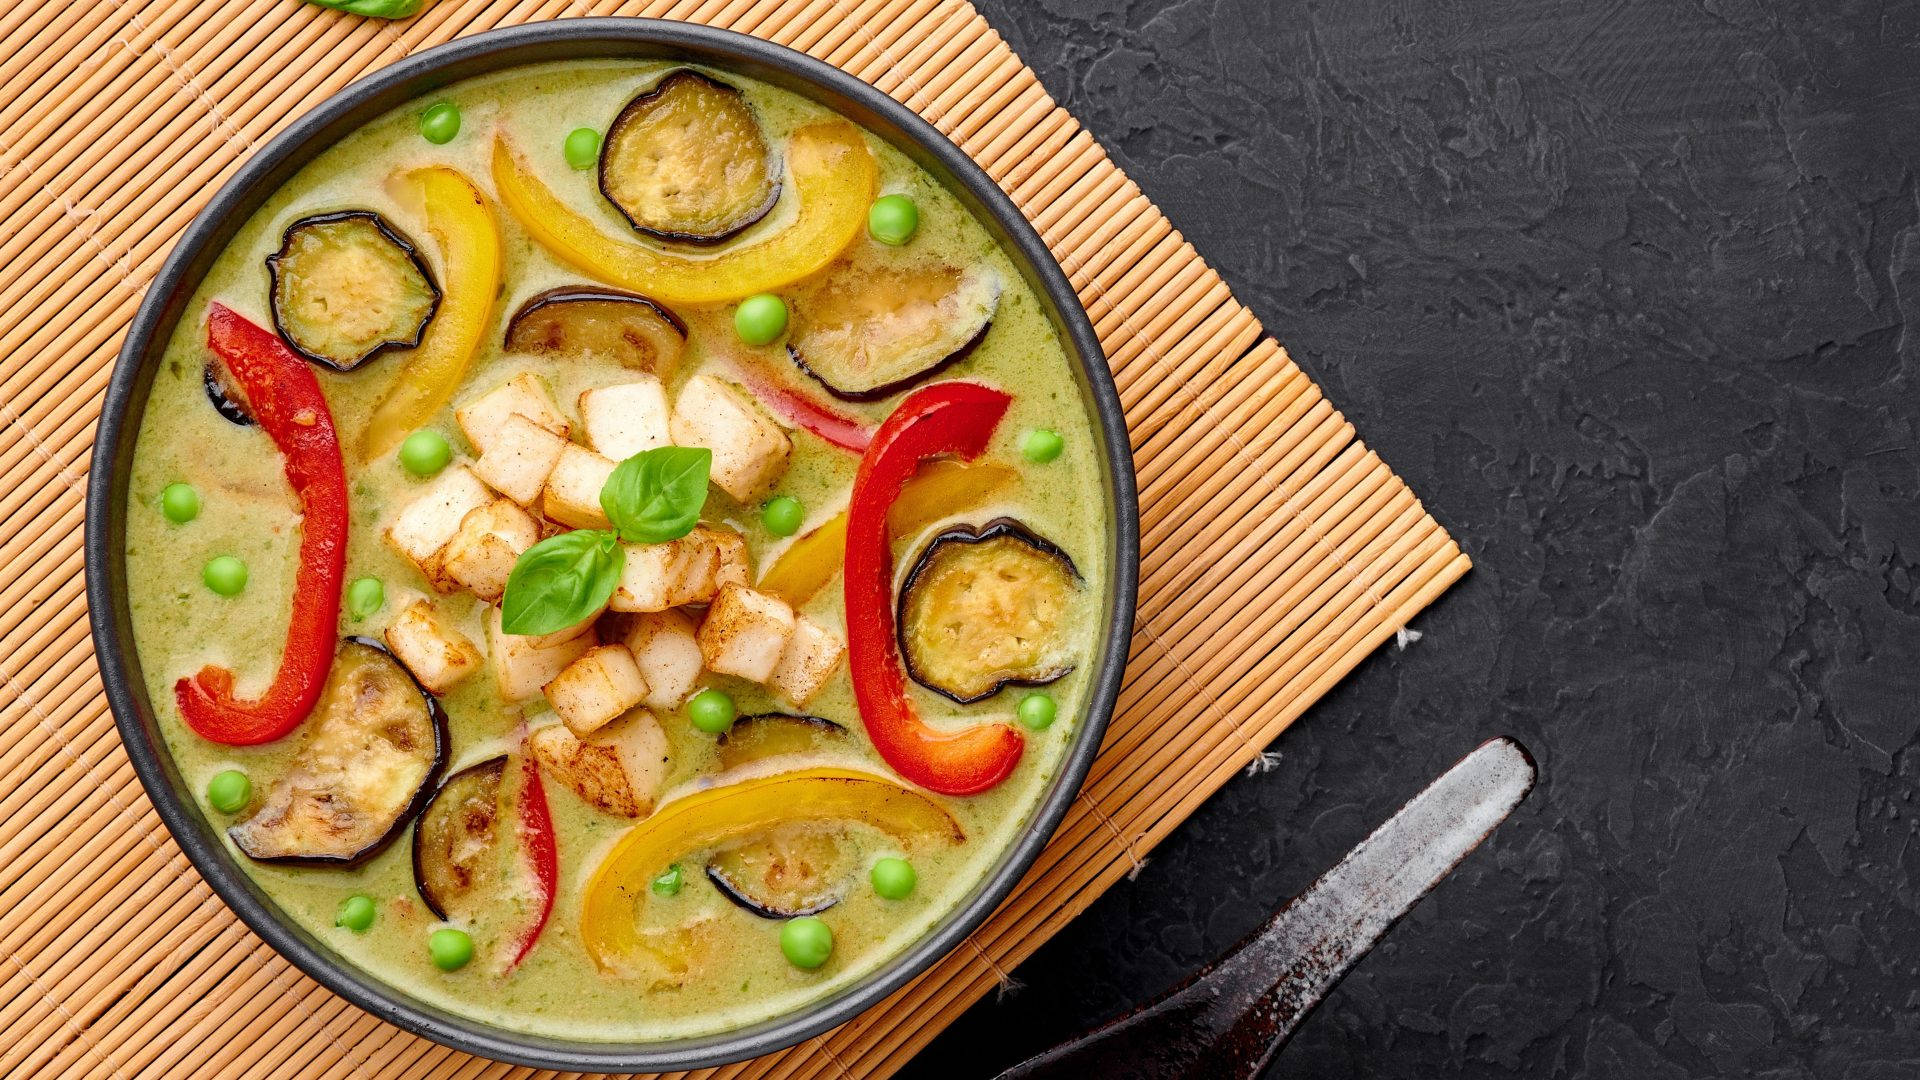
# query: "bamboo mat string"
[[1277, 550]]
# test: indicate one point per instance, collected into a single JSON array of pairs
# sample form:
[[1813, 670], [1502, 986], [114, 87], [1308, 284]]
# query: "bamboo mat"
[[1277, 550]]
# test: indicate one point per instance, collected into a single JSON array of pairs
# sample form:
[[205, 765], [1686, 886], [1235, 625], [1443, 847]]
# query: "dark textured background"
[[1630, 293]]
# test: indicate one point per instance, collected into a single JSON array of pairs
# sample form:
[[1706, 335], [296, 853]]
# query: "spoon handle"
[[1229, 1020]]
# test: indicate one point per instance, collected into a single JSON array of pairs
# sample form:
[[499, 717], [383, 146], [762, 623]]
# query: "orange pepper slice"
[[937, 490], [832, 173], [709, 818], [462, 225]]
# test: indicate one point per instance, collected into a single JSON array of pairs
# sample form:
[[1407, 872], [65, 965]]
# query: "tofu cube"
[[618, 769], [812, 654], [749, 450], [572, 494], [423, 529], [624, 420], [490, 540], [690, 570], [519, 458], [523, 666], [482, 419], [665, 646], [745, 633], [603, 683], [439, 655]]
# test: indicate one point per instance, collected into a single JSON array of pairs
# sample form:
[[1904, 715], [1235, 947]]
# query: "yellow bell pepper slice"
[[832, 174], [709, 818], [937, 490], [462, 225]]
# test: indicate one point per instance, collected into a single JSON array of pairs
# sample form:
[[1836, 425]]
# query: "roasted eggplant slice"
[[786, 871], [375, 744], [766, 735], [987, 607], [456, 843], [871, 331], [225, 401], [576, 322], [348, 285], [686, 161]]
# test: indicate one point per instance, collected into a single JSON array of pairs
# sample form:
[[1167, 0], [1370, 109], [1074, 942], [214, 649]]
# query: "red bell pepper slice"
[[286, 401], [955, 418], [541, 850], [796, 408]]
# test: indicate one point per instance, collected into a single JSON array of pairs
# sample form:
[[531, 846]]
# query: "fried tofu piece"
[[490, 540], [750, 451], [665, 646], [745, 633], [572, 494], [812, 654], [422, 530], [626, 419], [603, 683], [690, 570], [425, 643], [523, 665], [525, 395], [618, 769], [518, 459]]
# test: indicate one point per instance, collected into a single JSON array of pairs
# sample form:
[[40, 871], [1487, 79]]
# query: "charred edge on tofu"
[[281, 279], [448, 822], [423, 792], [968, 535]]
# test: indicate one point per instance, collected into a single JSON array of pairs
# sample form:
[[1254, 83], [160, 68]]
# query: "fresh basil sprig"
[[378, 9], [562, 580], [656, 495]]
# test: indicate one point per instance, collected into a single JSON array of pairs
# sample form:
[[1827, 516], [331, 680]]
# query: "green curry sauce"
[[248, 511]]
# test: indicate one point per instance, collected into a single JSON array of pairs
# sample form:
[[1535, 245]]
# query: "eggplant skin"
[[947, 542], [542, 325], [435, 869], [230, 408], [401, 339], [270, 835], [617, 132], [810, 862], [771, 734]]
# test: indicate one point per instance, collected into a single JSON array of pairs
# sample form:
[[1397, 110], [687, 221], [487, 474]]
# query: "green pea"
[[806, 941], [365, 596], [425, 452], [892, 219], [225, 575], [180, 503], [440, 123], [356, 913], [760, 318], [581, 148], [1041, 445], [893, 878], [782, 516], [450, 948], [1037, 710], [668, 884], [711, 711], [229, 791]]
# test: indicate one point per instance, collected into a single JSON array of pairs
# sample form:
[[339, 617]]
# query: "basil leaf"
[[378, 9], [656, 495], [562, 580]]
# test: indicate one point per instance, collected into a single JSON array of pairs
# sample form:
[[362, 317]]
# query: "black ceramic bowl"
[[273, 165]]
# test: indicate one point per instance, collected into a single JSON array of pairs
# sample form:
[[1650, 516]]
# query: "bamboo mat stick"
[[1278, 550]]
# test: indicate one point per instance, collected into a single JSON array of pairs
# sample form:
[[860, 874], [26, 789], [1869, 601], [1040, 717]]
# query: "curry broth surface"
[[249, 511]]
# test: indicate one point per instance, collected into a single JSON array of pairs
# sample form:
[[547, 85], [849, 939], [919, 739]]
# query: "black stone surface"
[[1630, 293]]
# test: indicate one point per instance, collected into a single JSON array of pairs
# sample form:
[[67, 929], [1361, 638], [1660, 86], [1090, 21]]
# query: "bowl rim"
[[263, 173]]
